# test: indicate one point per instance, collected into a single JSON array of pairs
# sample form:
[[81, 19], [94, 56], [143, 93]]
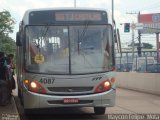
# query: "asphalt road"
[[127, 102]]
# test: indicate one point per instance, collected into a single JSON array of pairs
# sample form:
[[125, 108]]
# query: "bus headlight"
[[34, 86], [103, 86]]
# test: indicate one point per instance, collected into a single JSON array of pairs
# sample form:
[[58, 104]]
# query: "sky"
[[122, 8]]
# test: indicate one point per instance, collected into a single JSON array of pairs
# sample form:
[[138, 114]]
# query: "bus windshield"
[[78, 49]]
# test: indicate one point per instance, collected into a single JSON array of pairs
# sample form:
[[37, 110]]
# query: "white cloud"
[[106, 4], [3, 5]]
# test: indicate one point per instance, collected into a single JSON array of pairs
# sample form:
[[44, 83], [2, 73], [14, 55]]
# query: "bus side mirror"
[[18, 40]]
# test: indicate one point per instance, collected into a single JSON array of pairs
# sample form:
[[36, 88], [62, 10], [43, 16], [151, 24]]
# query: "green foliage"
[[144, 45], [7, 44], [6, 22], [147, 46]]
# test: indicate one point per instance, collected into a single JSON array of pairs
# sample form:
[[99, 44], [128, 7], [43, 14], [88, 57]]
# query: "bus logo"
[[96, 78], [70, 90]]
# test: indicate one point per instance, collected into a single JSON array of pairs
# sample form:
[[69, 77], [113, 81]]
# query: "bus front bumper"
[[35, 100]]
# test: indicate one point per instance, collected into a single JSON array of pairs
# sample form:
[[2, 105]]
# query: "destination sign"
[[78, 16]]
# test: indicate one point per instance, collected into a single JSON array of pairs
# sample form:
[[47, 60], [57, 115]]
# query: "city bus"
[[66, 58]]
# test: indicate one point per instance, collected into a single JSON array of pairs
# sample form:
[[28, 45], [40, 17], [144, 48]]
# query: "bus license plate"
[[70, 100]]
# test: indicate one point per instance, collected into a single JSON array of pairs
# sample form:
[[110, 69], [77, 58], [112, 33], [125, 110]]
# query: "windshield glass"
[[69, 49]]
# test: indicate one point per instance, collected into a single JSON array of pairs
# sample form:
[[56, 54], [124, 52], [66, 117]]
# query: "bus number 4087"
[[47, 80]]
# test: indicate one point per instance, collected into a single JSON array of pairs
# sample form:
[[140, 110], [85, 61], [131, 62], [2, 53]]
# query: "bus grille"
[[70, 89]]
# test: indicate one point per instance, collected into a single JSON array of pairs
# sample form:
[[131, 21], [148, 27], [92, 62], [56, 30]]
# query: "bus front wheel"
[[99, 110], [27, 111]]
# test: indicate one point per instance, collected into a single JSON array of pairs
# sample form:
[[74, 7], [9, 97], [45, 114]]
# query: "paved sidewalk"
[[9, 112]]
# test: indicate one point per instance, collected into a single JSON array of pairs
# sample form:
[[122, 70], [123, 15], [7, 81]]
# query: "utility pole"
[[139, 48], [75, 3], [112, 12], [158, 46], [133, 28]]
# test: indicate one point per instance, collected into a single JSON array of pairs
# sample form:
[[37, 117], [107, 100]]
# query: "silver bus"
[[65, 58]]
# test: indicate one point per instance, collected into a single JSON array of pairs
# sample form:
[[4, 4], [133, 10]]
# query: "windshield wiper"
[[42, 35], [45, 31], [80, 38]]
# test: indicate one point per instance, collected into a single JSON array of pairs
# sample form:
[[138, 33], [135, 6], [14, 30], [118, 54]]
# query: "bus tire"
[[99, 110], [27, 112], [30, 112]]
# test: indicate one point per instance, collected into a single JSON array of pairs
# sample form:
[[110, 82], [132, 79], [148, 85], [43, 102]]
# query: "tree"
[[147, 46], [6, 22], [144, 45], [7, 44]]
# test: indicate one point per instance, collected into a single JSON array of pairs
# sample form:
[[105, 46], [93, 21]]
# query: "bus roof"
[[64, 8]]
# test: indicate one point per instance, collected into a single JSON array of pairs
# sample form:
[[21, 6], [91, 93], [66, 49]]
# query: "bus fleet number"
[[47, 80]]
